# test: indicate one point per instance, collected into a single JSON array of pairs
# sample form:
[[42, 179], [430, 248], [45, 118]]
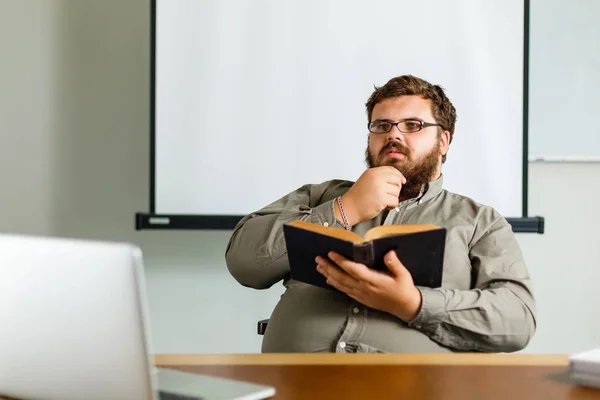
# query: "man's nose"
[[395, 135]]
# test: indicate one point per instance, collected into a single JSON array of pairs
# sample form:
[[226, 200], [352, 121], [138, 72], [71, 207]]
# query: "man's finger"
[[349, 290], [330, 270], [396, 175], [393, 190], [350, 267], [357, 271], [392, 201], [394, 264], [395, 179]]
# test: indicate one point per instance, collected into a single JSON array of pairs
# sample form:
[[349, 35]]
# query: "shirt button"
[[343, 345], [355, 310], [325, 224], [418, 326], [397, 209]]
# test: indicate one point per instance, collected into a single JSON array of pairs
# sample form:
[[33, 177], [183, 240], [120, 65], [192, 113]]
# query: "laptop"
[[74, 325]]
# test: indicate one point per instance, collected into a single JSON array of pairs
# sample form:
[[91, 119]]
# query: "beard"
[[418, 173]]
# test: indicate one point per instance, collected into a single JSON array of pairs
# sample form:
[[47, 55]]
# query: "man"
[[485, 302]]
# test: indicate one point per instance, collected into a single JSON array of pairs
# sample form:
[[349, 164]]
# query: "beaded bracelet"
[[344, 217]]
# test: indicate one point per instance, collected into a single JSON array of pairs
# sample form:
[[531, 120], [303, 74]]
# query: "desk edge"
[[165, 360]]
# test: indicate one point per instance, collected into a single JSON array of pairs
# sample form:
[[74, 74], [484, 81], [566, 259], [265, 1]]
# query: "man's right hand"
[[376, 189]]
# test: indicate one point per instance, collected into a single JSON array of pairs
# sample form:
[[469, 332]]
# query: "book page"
[[391, 230], [338, 233]]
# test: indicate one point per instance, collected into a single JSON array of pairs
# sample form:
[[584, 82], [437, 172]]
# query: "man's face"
[[417, 155]]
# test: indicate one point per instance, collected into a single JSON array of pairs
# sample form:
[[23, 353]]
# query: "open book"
[[419, 247]]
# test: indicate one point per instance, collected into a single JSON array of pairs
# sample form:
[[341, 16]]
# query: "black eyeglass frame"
[[422, 125]]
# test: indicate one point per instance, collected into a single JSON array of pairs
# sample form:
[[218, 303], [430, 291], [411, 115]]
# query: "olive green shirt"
[[485, 302]]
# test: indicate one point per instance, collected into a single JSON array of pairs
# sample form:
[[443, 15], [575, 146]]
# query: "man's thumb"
[[394, 264]]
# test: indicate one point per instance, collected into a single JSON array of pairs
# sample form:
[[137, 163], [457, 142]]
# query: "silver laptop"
[[74, 325]]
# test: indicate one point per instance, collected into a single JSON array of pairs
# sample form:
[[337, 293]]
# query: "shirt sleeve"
[[256, 253], [498, 313]]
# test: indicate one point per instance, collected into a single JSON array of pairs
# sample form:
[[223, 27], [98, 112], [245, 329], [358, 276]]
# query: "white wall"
[[74, 162], [564, 262], [74, 156]]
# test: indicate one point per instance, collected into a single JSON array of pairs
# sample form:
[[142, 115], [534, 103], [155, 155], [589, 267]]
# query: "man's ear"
[[444, 142]]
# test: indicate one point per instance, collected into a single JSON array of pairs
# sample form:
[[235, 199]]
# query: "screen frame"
[[152, 220]]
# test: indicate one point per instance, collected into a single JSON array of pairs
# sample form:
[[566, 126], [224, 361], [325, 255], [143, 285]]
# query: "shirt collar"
[[431, 190]]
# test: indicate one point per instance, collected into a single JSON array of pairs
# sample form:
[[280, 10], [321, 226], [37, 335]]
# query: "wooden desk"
[[393, 376]]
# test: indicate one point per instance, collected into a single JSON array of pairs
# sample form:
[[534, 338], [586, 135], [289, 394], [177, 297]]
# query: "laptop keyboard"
[[175, 396]]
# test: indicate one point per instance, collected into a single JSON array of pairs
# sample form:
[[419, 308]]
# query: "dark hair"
[[442, 109]]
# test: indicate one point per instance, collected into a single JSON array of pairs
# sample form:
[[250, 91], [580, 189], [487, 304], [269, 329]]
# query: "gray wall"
[[74, 162]]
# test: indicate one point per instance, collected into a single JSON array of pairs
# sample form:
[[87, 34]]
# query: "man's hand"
[[393, 292], [376, 189]]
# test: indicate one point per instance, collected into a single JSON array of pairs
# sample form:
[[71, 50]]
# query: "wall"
[[564, 262], [565, 60], [74, 162]]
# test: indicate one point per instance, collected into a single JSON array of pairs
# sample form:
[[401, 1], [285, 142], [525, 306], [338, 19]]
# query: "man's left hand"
[[393, 292]]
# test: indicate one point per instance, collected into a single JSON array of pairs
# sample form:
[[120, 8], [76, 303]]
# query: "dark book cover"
[[422, 253]]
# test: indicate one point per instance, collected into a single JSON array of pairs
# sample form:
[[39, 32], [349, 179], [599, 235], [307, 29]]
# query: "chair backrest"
[[262, 326]]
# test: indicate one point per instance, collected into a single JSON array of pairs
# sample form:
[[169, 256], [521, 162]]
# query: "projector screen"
[[254, 98]]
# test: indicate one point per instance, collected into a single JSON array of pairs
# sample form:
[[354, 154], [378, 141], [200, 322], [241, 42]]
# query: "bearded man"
[[485, 302]]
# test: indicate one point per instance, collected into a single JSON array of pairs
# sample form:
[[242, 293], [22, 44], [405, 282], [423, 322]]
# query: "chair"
[[262, 326]]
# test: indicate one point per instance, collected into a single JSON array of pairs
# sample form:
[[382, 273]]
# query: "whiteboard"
[[255, 98], [564, 80]]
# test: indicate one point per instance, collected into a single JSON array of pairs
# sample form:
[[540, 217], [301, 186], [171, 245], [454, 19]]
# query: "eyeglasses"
[[404, 126]]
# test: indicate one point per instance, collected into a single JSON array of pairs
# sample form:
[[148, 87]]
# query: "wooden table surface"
[[393, 376]]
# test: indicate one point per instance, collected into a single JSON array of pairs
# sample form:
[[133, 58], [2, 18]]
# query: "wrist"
[[411, 308]]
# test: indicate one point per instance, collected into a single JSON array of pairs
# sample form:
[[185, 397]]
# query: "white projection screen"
[[252, 99]]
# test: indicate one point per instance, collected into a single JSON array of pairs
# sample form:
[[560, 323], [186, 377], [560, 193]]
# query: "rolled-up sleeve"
[[498, 313]]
